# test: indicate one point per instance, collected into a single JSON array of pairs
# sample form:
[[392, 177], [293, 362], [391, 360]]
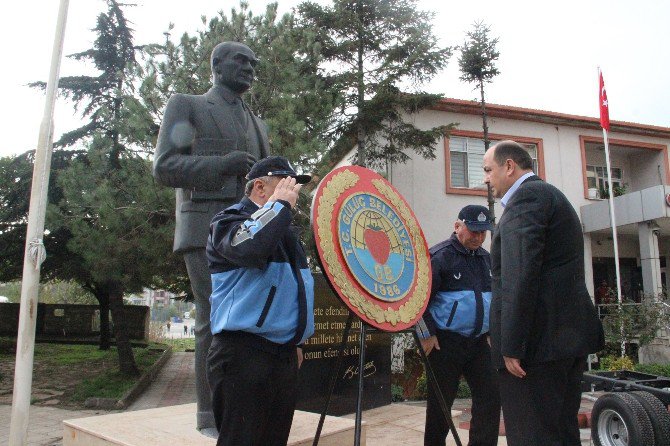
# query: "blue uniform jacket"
[[261, 283], [460, 297]]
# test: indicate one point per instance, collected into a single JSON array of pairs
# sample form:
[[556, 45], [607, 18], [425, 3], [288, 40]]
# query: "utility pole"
[[34, 253]]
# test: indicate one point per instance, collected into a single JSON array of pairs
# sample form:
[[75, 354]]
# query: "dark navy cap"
[[275, 166], [476, 218]]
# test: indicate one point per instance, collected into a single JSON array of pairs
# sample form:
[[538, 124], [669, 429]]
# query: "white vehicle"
[[4, 300], [187, 315]]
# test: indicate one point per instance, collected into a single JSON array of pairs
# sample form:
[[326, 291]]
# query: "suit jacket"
[[541, 310], [196, 133]]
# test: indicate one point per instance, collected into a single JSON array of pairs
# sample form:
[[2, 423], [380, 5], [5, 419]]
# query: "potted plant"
[[620, 190]]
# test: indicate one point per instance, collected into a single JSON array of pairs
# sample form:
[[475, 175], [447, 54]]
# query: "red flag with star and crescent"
[[604, 106]]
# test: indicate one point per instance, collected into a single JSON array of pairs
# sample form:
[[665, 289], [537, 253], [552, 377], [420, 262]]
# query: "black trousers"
[[470, 357], [253, 387], [541, 408]]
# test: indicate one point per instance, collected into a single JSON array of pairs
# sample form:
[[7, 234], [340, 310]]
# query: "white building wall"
[[423, 182], [648, 175]]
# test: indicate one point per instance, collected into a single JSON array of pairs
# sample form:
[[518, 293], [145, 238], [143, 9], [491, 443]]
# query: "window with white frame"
[[466, 157], [596, 177]]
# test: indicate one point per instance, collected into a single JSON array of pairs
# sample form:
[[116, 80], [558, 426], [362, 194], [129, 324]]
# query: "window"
[[466, 157], [596, 177]]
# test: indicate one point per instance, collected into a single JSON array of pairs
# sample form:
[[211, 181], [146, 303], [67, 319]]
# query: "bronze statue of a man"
[[206, 145]]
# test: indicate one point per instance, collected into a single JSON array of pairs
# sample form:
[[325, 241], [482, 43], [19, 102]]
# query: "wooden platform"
[[176, 425]]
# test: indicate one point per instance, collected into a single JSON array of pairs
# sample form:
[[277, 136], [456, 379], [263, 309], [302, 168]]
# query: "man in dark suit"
[[206, 145], [543, 322]]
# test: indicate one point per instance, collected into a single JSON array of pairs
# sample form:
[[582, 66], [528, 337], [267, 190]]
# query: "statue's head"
[[233, 66]]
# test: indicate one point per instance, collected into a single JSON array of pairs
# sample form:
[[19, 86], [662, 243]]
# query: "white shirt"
[[515, 186]]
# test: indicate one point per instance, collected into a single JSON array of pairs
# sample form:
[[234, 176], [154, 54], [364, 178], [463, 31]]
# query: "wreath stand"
[[345, 184], [365, 328]]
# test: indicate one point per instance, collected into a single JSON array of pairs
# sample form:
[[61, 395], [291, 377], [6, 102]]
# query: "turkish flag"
[[604, 106]]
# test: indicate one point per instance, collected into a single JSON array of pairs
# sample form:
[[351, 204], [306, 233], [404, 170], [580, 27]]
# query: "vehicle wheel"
[[658, 415], [619, 419]]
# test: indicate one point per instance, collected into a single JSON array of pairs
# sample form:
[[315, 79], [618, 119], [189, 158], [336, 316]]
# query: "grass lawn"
[[66, 374], [181, 345]]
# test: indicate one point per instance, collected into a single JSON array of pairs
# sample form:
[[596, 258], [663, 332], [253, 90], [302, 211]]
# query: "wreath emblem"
[[371, 248]]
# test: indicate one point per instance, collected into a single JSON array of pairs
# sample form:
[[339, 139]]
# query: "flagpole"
[[610, 188], [612, 218], [34, 251], [614, 237]]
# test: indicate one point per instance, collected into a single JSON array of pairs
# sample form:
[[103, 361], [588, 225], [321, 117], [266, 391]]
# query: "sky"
[[549, 54]]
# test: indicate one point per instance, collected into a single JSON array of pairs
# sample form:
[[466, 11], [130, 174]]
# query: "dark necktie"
[[241, 115], [242, 123]]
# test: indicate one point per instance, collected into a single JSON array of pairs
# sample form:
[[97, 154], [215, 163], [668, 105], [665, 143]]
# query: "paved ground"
[[175, 384], [177, 329], [395, 425], [45, 425]]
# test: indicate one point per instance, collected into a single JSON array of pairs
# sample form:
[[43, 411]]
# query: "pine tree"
[[15, 181], [372, 49], [117, 217], [477, 64]]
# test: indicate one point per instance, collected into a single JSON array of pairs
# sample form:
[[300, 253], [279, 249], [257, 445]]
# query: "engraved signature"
[[368, 369]]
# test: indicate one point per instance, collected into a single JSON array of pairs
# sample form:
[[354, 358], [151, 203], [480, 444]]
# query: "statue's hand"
[[238, 163]]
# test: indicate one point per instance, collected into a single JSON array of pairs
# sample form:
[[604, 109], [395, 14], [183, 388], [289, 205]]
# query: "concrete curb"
[[134, 392]]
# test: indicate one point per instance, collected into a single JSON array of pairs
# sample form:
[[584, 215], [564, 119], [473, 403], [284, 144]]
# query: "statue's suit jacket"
[[541, 310], [197, 131]]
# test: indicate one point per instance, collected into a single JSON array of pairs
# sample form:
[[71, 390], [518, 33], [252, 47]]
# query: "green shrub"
[[616, 363], [396, 393], [422, 388], [654, 369], [463, 390], [611, 349]]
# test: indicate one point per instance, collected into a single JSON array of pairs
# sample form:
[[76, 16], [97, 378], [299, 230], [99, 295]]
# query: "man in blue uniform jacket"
[[262, 308], [454, 330]]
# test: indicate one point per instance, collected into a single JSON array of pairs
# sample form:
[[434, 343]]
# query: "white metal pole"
[[614, 231], [612, 216], [34, 252]]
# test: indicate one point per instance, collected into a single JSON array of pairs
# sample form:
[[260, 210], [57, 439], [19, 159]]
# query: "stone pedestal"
[[176, 425]]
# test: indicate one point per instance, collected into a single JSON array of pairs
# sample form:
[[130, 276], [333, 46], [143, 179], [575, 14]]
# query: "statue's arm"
[[174, 163]]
